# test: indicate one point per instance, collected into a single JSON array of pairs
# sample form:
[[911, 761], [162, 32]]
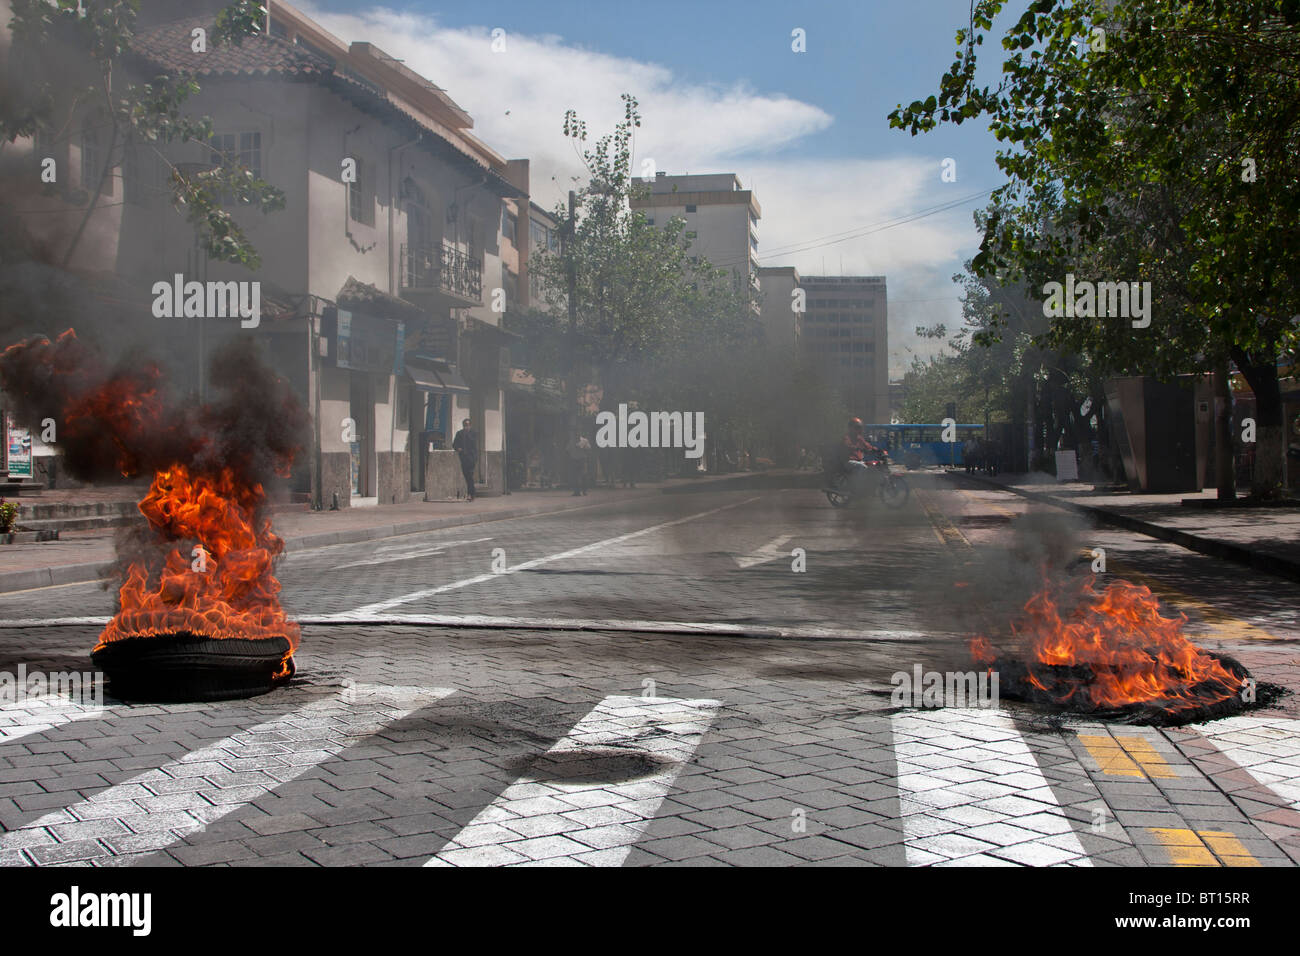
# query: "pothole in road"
[[594, 765]]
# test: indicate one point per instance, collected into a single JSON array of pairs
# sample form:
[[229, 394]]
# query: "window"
[[650, 220], [509, 223], [537, 235], [690, 209], [143, 173], [92, 159], [240, 149], [361, 195]]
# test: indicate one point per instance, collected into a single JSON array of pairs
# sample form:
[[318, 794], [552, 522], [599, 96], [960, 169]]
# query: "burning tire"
[[184, 668], [1056, 688], [1113, 655]]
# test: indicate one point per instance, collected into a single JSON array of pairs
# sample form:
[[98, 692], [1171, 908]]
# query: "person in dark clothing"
[[465, 445]]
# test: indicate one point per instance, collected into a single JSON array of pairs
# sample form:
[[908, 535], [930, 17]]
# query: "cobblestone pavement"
[[547, 736]]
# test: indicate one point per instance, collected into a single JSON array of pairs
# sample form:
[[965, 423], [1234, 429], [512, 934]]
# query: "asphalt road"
[[689, 678]]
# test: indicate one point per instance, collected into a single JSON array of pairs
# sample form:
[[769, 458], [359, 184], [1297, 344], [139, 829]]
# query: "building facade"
[[846, 332], [384, 279], [782, 320], [721, 218]]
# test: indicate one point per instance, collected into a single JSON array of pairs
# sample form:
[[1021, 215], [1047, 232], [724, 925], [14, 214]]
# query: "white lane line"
[[970, 793], [584, 821], [392, 555], [800, 632], [264, 756], [616, 624], [1267, 748], [768, 552], [23, 718], [536, 562]]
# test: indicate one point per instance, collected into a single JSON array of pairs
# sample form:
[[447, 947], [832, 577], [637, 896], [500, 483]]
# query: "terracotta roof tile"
[[170, 47]]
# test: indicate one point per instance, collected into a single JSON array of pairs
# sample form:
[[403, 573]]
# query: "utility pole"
[[567, 236]]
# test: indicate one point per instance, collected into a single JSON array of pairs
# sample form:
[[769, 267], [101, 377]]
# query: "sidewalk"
[[1264, 538], [82, 555]]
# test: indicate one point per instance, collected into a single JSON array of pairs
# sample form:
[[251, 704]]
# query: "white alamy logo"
[[639, 429], [1088, 300], [951, 689], [80, 687], [179, 299], [74, 909]]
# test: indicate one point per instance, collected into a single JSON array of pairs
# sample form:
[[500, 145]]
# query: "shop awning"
[[442, 378]]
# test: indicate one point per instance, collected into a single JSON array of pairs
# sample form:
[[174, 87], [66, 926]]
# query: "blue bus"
[[917, 446]]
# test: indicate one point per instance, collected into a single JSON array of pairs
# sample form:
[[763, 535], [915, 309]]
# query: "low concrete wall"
[[335, 476], [394, 477], [442, 477]]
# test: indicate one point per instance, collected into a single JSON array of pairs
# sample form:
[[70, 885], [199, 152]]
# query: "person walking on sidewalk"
[[465, 444], [579, 452]]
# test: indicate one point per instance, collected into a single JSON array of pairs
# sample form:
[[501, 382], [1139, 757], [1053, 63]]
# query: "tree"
[[1148, 141], [656, 325], [66, 64]]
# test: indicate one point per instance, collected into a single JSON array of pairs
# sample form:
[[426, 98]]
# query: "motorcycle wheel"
[[838, 492], [894, 490]]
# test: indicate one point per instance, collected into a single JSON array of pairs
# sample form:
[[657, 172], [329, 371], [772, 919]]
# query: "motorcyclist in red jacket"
[[858, 452]]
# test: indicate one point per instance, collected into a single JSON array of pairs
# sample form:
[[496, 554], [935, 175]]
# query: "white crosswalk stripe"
[[312, 733], [970, 786], [22, 718], [1267, 748], [550, 821], [971, 793]]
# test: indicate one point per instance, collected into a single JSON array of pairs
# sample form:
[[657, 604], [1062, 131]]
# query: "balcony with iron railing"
[[441, 268]]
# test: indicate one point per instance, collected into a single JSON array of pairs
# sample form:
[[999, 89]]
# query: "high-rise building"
[[845, 331], [721, 218], [782, 324]]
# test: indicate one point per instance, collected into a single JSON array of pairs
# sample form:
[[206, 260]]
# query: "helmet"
[[855, 424]]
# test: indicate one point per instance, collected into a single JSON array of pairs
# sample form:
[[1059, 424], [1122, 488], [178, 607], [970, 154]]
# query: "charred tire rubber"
[[184, 668]]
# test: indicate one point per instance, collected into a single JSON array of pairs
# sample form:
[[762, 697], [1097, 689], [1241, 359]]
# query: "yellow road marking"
[[947, 531], [1228, 848], [1189, 847], [1148, 757], [1112, 760]]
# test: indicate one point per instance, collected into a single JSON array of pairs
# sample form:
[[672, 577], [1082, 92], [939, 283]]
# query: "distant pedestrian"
[[579, 452], [465, 445]]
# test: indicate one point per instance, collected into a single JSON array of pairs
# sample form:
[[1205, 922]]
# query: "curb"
[[95, 571], [1236, 553]]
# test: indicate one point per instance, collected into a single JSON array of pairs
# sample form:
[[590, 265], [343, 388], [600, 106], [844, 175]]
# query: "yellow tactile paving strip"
[[1127, 755], [1203, 847]]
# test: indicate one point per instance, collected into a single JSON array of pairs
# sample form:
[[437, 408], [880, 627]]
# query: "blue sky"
[[721, 91]]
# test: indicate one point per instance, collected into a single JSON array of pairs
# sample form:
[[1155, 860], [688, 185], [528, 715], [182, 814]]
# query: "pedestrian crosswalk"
[[977, 762], [535, 819], [955, 787]]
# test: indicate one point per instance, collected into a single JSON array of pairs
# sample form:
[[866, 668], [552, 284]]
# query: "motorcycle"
[[890, 488]]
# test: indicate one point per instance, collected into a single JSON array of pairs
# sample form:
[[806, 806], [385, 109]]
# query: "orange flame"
[[235, 596], [1125, 651]]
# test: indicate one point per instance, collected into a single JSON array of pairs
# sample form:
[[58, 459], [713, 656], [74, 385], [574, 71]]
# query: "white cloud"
[[518, 99]]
